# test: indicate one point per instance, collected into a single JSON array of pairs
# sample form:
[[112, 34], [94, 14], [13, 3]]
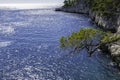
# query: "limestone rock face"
[[118, 31], [118, 23], [111, 23], [115, 49]]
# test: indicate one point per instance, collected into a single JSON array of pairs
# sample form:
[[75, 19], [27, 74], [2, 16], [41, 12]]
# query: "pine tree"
[[89, 39]]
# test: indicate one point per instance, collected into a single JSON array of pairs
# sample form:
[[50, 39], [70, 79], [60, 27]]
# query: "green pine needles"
[[89, 39]]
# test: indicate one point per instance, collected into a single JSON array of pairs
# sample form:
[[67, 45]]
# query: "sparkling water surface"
[[29, 48]]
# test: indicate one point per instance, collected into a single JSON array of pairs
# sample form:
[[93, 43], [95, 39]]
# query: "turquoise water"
[[29, 48]]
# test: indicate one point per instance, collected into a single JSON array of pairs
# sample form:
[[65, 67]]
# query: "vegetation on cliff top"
[[100, 6], [68, 3], [88, 39], [105, 6]]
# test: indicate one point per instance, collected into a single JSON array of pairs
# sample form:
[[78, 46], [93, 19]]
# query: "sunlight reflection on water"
[[5, 43], [6, 30], [29, 5]]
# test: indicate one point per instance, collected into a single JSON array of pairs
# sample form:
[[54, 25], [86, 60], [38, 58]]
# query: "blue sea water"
[[29, 48]]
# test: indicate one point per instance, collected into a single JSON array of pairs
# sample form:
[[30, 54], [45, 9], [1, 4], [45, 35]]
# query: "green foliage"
[[88, 38], [68, 3], [105, 6]]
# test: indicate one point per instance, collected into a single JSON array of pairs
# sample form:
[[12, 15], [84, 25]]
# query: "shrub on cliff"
[[68, 3], [89, 39], [105, 6]]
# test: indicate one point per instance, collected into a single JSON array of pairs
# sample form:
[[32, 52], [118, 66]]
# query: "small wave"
[[5, 43], [6, 30], [15, 23]]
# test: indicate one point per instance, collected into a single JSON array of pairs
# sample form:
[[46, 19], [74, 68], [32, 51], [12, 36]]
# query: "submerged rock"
[[113, 64]]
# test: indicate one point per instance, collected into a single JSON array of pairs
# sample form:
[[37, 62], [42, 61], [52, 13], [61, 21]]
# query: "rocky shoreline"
[[106, 22]]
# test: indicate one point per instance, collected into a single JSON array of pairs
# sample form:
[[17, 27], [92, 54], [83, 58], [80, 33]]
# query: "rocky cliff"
[[78, 7], [111, 23], [106, 22]]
